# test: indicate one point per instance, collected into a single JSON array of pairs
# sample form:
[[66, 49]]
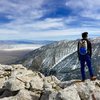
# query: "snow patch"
[[74, 67]]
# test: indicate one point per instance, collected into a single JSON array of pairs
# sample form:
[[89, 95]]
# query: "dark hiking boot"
[[93, 78], [82, 80]]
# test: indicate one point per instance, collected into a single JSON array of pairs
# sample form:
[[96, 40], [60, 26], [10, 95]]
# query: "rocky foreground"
[[19, 83]]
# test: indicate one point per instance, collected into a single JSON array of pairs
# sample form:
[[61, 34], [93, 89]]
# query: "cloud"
[[73, 33], [47, 35], [47, 24], [44, 19], [85, 8], [21, 9]]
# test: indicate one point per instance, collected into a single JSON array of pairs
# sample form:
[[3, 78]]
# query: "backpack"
[[83, 47]]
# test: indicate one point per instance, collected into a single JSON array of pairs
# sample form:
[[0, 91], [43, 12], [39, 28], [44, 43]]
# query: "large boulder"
[[69, 93], [14, 84], [36, 83], [89, 90], [27, 95]]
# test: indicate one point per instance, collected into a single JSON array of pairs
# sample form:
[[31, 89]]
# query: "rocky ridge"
[[19, 83]]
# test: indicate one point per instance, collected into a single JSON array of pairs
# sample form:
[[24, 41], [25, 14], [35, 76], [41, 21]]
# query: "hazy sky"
[[48, 19]]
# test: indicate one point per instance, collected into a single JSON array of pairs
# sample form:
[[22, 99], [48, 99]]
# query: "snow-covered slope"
[[60, 59], [46, 56]]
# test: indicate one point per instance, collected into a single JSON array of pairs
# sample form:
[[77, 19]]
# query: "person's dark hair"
[[84, 35]]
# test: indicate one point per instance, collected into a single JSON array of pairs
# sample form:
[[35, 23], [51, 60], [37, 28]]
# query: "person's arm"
[[90, 48], [78, 51]]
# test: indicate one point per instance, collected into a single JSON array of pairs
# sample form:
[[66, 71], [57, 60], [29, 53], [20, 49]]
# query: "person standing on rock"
[[84, 55]]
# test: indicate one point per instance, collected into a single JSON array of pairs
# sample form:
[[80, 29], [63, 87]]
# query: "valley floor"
[[8, 57], [12, 53]]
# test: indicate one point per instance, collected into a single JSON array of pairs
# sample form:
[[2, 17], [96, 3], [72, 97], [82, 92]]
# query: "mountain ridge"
[[60, 57]]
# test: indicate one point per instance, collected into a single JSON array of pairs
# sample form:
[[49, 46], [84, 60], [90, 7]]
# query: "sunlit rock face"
[[19, 83]]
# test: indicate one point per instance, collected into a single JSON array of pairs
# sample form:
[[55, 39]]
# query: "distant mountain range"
[[25, 42]]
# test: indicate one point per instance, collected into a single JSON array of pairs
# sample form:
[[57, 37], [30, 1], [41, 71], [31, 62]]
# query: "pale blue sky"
[[48, 19]]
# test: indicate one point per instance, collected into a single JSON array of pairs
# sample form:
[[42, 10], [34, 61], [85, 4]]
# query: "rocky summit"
[[19, 83]]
